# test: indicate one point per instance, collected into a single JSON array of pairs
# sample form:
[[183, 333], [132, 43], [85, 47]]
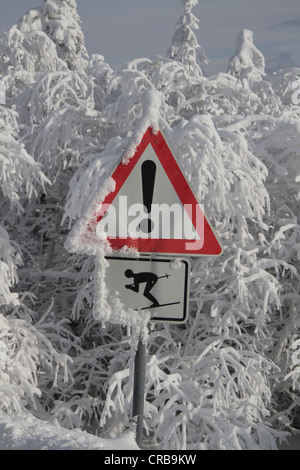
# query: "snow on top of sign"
[[80, 239], [151, 105], [93, 184]]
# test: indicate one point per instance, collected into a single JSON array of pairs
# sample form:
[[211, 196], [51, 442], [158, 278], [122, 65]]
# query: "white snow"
[[230, 377], [247, 62], [25, 432]]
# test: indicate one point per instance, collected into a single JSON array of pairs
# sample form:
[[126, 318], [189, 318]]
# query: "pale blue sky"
[[125, 29]]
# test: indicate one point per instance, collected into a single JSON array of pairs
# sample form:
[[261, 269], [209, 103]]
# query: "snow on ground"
[[25, 432]]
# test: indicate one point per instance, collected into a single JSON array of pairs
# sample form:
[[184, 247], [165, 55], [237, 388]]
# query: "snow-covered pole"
[[139, 390]]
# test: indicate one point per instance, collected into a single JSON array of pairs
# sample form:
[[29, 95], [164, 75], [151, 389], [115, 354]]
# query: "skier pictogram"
[[154, 284], [150, 279]]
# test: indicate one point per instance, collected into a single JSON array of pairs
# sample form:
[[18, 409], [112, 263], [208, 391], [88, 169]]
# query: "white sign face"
[[148, 197], [150, 208], [160, 286]]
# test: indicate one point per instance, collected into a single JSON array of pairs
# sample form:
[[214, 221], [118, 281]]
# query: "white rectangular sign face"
[[158, 285]]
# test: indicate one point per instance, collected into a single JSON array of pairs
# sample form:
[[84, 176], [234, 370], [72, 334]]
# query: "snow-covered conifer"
[[20, 176], [286, 84], [247, 63], [25, 47], [233, 299], [216, 382], [46, 39], [185, 47], [28, 352], [30, 227], [61, 23]]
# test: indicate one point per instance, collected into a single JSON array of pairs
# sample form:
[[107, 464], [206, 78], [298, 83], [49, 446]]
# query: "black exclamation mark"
[[148, 180]]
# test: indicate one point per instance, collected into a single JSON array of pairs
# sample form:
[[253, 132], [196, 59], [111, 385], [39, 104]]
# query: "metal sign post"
[[139, 391], [154, 285]]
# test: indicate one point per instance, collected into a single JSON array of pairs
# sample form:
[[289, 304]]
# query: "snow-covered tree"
[[273, 131], [61, 23], [248, 63], [20, 175], [28, 352], [286, 84], [229, 378], [30, 68], [230, 299], [185, 47]]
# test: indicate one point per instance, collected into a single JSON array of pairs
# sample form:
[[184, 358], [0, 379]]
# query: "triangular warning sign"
[[152, 208]]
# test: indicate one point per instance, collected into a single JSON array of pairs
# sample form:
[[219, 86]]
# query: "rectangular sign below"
[[158, 285]]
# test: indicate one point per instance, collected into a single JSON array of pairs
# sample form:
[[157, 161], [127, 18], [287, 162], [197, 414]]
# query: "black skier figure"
[[149, 278]]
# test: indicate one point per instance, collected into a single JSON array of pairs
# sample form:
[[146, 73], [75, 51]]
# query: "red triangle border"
[[211, 245]]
